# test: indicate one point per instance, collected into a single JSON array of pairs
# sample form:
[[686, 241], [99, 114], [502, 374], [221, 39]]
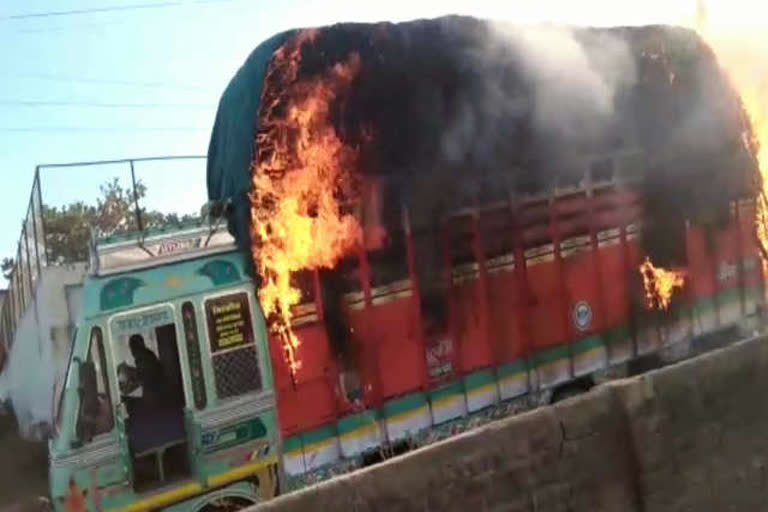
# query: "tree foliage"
[[6, 267], [69, 229]]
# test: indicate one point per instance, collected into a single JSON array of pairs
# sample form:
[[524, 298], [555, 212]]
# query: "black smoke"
[[458, 111], [460, 105]]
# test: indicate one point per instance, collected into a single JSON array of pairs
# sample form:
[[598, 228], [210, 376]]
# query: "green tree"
[[69, 229], [6, 267]]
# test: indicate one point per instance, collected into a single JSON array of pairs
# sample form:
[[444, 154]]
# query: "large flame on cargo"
[[303, 176], [756, 107], [742, 51], [660, 284]]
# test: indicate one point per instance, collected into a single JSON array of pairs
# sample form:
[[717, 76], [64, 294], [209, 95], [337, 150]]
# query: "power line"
[[106, 81], [70, 27], [75, 129], [48, 14], [13, 103], [84, 28], [114, 8]]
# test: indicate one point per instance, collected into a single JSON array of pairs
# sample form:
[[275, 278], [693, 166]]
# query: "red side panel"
[[468, 323], [506, 310], [311, 402], [728, 255], [613, 273], [581, 282], [491, 317], [367, 352], [546, 323], [390, 347], [700, 281]]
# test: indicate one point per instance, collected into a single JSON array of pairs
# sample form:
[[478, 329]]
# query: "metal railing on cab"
[[72, 203]]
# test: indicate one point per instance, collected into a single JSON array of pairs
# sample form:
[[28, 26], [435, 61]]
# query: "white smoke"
[[570, 85], [575, 85]]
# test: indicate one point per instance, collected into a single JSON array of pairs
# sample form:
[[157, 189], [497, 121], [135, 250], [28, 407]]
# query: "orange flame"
[[302, 176], [743, 54], [660, 284], [754, 98], [755, 106]]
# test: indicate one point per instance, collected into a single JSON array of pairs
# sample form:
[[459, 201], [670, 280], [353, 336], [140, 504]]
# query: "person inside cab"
[[147, 374], [155, 423], [95, 413]]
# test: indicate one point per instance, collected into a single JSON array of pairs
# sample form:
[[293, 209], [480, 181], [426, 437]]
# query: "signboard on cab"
[[229, 322]]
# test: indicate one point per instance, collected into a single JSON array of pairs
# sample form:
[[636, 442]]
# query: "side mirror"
[[89, 402]]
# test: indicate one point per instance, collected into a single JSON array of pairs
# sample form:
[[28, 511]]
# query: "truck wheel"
[[571, 389], [566, 393], [227, 505]]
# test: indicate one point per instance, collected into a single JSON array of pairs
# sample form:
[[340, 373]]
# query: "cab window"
[[95, 412], [234, 353]]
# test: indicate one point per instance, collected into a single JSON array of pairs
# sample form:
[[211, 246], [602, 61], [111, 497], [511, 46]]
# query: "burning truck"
[[446, 215], [429, 225]]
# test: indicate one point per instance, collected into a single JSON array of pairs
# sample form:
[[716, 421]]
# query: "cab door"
[[152, 406], [86, 460], [122, 439]]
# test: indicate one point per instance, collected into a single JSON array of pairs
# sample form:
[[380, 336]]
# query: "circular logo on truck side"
[[582, 315]]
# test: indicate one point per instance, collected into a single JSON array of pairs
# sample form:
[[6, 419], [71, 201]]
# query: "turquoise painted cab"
[[168, 399]]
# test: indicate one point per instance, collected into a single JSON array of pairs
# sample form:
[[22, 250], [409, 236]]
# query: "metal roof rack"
[[35, 251], [201, 237]]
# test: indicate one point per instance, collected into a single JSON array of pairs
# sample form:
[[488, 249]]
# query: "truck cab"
[[168, 400]]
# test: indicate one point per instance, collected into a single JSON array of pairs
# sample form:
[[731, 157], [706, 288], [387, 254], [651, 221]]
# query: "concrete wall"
[[689, 437], [40, 348]]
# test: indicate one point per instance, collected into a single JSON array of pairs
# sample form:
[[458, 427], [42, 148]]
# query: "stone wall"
[[693, 436], [698, 430]]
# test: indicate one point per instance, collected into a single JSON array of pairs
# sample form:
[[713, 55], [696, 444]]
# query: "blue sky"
[[173, 58]]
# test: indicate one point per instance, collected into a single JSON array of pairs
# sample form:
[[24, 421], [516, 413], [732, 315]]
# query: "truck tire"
[[228, 504], [571, 389]]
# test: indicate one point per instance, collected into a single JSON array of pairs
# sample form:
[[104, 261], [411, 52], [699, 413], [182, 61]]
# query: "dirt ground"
[[23, 469]]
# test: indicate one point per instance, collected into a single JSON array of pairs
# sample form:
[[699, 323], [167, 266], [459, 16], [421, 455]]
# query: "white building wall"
[[38, 358]]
